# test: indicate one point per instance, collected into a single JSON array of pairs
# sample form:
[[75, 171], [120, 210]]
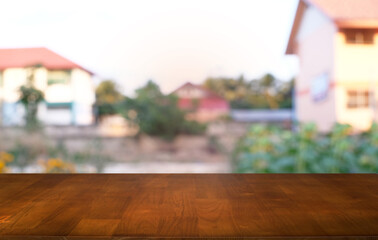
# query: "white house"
[[337, 45], [68, 88]]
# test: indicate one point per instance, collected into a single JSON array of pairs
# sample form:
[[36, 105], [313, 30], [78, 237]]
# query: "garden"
[[35, 155], [269, 149]]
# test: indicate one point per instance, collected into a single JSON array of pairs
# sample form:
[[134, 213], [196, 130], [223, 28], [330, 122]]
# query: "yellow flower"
[[6, 157], [57, 165], [2, 166], [55, 162]]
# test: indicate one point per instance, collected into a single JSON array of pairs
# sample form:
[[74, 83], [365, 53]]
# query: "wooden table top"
[[114, 206]]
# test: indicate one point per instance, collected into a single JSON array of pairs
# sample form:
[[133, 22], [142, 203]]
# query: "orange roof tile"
[[348, 9], [26, 57], [344, 13]]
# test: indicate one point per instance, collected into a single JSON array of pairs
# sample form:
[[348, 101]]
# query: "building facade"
[[337, 46], [68, 88], [202, 104]]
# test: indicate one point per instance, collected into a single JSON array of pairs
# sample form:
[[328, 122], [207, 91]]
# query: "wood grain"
[[134, 206]]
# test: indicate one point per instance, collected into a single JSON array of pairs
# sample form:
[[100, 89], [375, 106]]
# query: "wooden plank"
[[176, 206]]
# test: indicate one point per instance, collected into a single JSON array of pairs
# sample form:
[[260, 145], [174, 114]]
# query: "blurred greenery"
[[273, 150], [30, 97], [107, 96], [266, 92], [157, 114], [24, 154], [56, 158], [57, 165]]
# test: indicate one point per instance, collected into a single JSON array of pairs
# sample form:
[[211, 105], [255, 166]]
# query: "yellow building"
[[337, 45]]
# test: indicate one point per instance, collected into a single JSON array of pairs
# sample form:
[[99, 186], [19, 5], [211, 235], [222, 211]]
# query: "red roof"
[[26, 57], [210, 101], [204, 103], [207, 92], [340, 10]]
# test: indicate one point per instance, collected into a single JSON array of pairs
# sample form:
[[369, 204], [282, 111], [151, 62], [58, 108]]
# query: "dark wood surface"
[[84, 206]]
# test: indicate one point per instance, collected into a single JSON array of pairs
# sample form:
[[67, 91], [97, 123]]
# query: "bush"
[[192, 127], [53, 158], [272, 150], [57, 165], [157, 114], [24, 154]]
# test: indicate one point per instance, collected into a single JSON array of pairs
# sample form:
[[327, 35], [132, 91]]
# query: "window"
[[358, 99], [58, 77], [319, 87], [359, 36], [59, 106]]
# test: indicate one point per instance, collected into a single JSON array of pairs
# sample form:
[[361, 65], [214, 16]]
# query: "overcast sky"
[[169, 41]]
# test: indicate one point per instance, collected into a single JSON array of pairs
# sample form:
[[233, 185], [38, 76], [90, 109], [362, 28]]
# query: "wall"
[[207, 115], [215, 146], [356, 67], [13, 78], [83, 95], [57, 93], [79, 92], [12, 112], [315, 51]]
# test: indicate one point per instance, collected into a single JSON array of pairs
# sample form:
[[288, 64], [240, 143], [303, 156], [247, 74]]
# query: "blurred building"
[[337, 45], [68, 87], [203, 105]]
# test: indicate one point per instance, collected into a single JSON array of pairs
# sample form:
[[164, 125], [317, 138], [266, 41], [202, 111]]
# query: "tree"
[[107, 96], [149, 91], [30, 97], [233, 90], [285, 94], [268, 85], [265, 92], [157, 114], [268, 81]]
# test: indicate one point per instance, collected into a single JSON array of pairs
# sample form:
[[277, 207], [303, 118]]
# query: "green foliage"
[[57, 158], [92, 154], [23, 155], [107, 96], [235, 91], [214, 146], [266, 92], [106, 109], [30, 97], [273, 150], [157, 114], [192, 127]]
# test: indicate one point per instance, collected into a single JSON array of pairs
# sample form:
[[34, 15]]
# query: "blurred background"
[[246, 86]]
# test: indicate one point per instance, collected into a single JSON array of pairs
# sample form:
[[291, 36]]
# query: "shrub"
[[273, 150], [157, 114], [24, 154], [57, 165]]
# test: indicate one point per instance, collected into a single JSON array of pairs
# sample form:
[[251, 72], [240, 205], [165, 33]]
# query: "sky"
[[168, 41]]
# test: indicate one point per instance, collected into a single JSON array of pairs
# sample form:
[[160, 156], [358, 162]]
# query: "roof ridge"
[[23, 57]]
